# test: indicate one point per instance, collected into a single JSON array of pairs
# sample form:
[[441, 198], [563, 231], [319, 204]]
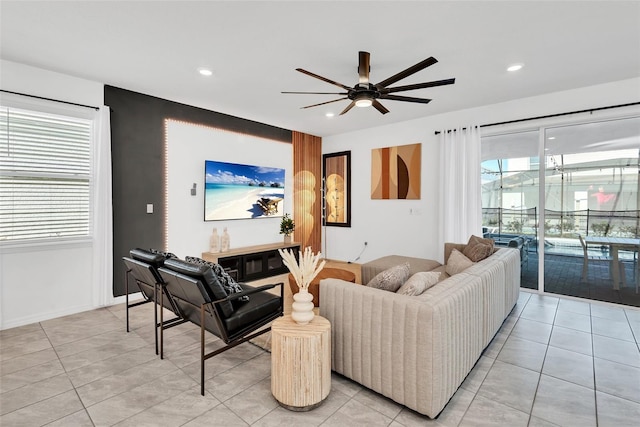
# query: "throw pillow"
[[391, 279], [477, 254], [230, 285], [419, 282], [457, 263]]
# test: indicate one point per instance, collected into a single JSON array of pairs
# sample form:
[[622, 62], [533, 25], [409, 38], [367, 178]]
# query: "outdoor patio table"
[[615, 243]]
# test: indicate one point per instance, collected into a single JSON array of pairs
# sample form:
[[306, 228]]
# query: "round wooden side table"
[[325, 273], [300, 362]]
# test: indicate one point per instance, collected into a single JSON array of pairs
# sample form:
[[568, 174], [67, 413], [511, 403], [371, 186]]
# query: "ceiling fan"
[[365, 94]]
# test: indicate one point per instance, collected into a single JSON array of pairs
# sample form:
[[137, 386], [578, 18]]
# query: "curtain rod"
[[49, 99], [590, 110]]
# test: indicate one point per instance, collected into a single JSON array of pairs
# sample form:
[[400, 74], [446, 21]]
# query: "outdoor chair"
[[202, 299], [142, 266]]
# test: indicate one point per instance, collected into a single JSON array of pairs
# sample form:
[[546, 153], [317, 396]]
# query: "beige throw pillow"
[[419, 282], [391, 279], [457, 263]]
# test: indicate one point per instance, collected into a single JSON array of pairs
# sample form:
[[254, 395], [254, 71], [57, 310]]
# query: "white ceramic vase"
[[302, 307]]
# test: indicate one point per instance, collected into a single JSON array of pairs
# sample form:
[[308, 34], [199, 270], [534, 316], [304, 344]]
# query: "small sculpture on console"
[[225, 241], [214, 241]]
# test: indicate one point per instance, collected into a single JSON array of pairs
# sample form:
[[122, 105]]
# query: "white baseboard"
[[41, 317]]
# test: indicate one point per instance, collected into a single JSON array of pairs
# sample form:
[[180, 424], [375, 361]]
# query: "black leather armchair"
[[202, 300], [142, 266]]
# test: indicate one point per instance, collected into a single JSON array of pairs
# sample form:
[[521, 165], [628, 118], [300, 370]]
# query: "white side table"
[[300, 362]]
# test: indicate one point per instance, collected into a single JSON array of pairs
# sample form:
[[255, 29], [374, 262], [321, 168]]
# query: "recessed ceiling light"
[[329, 114], [515, 67], [205, 72], [552, 137]]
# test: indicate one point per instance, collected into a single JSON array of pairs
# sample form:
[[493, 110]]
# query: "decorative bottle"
[[214, 241], [225, 241]]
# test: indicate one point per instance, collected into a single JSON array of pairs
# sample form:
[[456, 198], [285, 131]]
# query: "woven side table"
[[300, 362]]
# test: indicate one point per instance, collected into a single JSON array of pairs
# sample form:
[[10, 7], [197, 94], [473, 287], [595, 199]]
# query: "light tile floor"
[[554, 362]]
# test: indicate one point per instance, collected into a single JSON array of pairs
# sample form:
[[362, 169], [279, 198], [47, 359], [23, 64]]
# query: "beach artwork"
[[236, 191]]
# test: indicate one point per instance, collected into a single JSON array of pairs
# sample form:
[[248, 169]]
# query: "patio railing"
[[563, 223]]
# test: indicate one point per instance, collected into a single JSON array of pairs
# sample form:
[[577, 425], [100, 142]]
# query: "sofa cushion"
[[478, 248], [391, 279], [457, 263], [419, 282], [229, 284]]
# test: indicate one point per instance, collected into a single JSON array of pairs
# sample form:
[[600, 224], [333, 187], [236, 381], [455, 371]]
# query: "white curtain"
[[460, 195], [102, 212]]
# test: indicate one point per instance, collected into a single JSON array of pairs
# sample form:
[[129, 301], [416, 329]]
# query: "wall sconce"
[[193, 189]]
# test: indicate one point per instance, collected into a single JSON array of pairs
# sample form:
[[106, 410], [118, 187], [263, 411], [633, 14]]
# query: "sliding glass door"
[[510, 193], [590, 198]]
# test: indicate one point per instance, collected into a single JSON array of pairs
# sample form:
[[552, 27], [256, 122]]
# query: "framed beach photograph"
[[237, 191]]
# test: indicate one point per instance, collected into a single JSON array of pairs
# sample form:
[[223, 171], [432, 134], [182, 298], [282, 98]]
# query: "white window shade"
[[45, 175]]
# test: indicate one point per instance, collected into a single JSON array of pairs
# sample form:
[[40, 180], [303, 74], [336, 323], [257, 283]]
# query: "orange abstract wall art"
[[395, 172]]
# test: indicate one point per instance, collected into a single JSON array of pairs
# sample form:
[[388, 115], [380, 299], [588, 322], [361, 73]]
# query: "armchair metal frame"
[[149, 283], [190, 295]]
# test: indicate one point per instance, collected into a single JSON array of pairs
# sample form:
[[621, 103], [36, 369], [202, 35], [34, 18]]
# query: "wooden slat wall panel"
[[307, 184]]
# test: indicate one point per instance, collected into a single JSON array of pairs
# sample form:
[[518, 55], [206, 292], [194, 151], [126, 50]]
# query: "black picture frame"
[[336, 179]]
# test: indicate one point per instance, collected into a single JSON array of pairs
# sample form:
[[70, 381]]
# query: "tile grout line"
[[593, 362], [493, 363], [544, 359]]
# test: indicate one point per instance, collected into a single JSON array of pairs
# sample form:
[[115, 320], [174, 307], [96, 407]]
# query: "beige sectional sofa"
[[417, 350]]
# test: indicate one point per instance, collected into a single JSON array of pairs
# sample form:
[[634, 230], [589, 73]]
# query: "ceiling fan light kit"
[[365, 94]]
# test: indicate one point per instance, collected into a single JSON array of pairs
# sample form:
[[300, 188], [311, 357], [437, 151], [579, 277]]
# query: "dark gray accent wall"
[[137, 150]]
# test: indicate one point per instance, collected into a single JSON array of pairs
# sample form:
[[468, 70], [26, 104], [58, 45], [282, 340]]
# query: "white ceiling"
[[254, 48]]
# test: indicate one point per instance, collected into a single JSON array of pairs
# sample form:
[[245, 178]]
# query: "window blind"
[[45, 175]]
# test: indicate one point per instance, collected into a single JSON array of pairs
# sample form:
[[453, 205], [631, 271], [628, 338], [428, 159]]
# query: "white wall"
[[387, 225], [42, 281], [189, 145]]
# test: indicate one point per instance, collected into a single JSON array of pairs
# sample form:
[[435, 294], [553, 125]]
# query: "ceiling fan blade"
[[317, 93], [363, 67], [322, 103], [405, 98], [379, 107], [406, 73], [349, 107], [418, 86], [324, 79]]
